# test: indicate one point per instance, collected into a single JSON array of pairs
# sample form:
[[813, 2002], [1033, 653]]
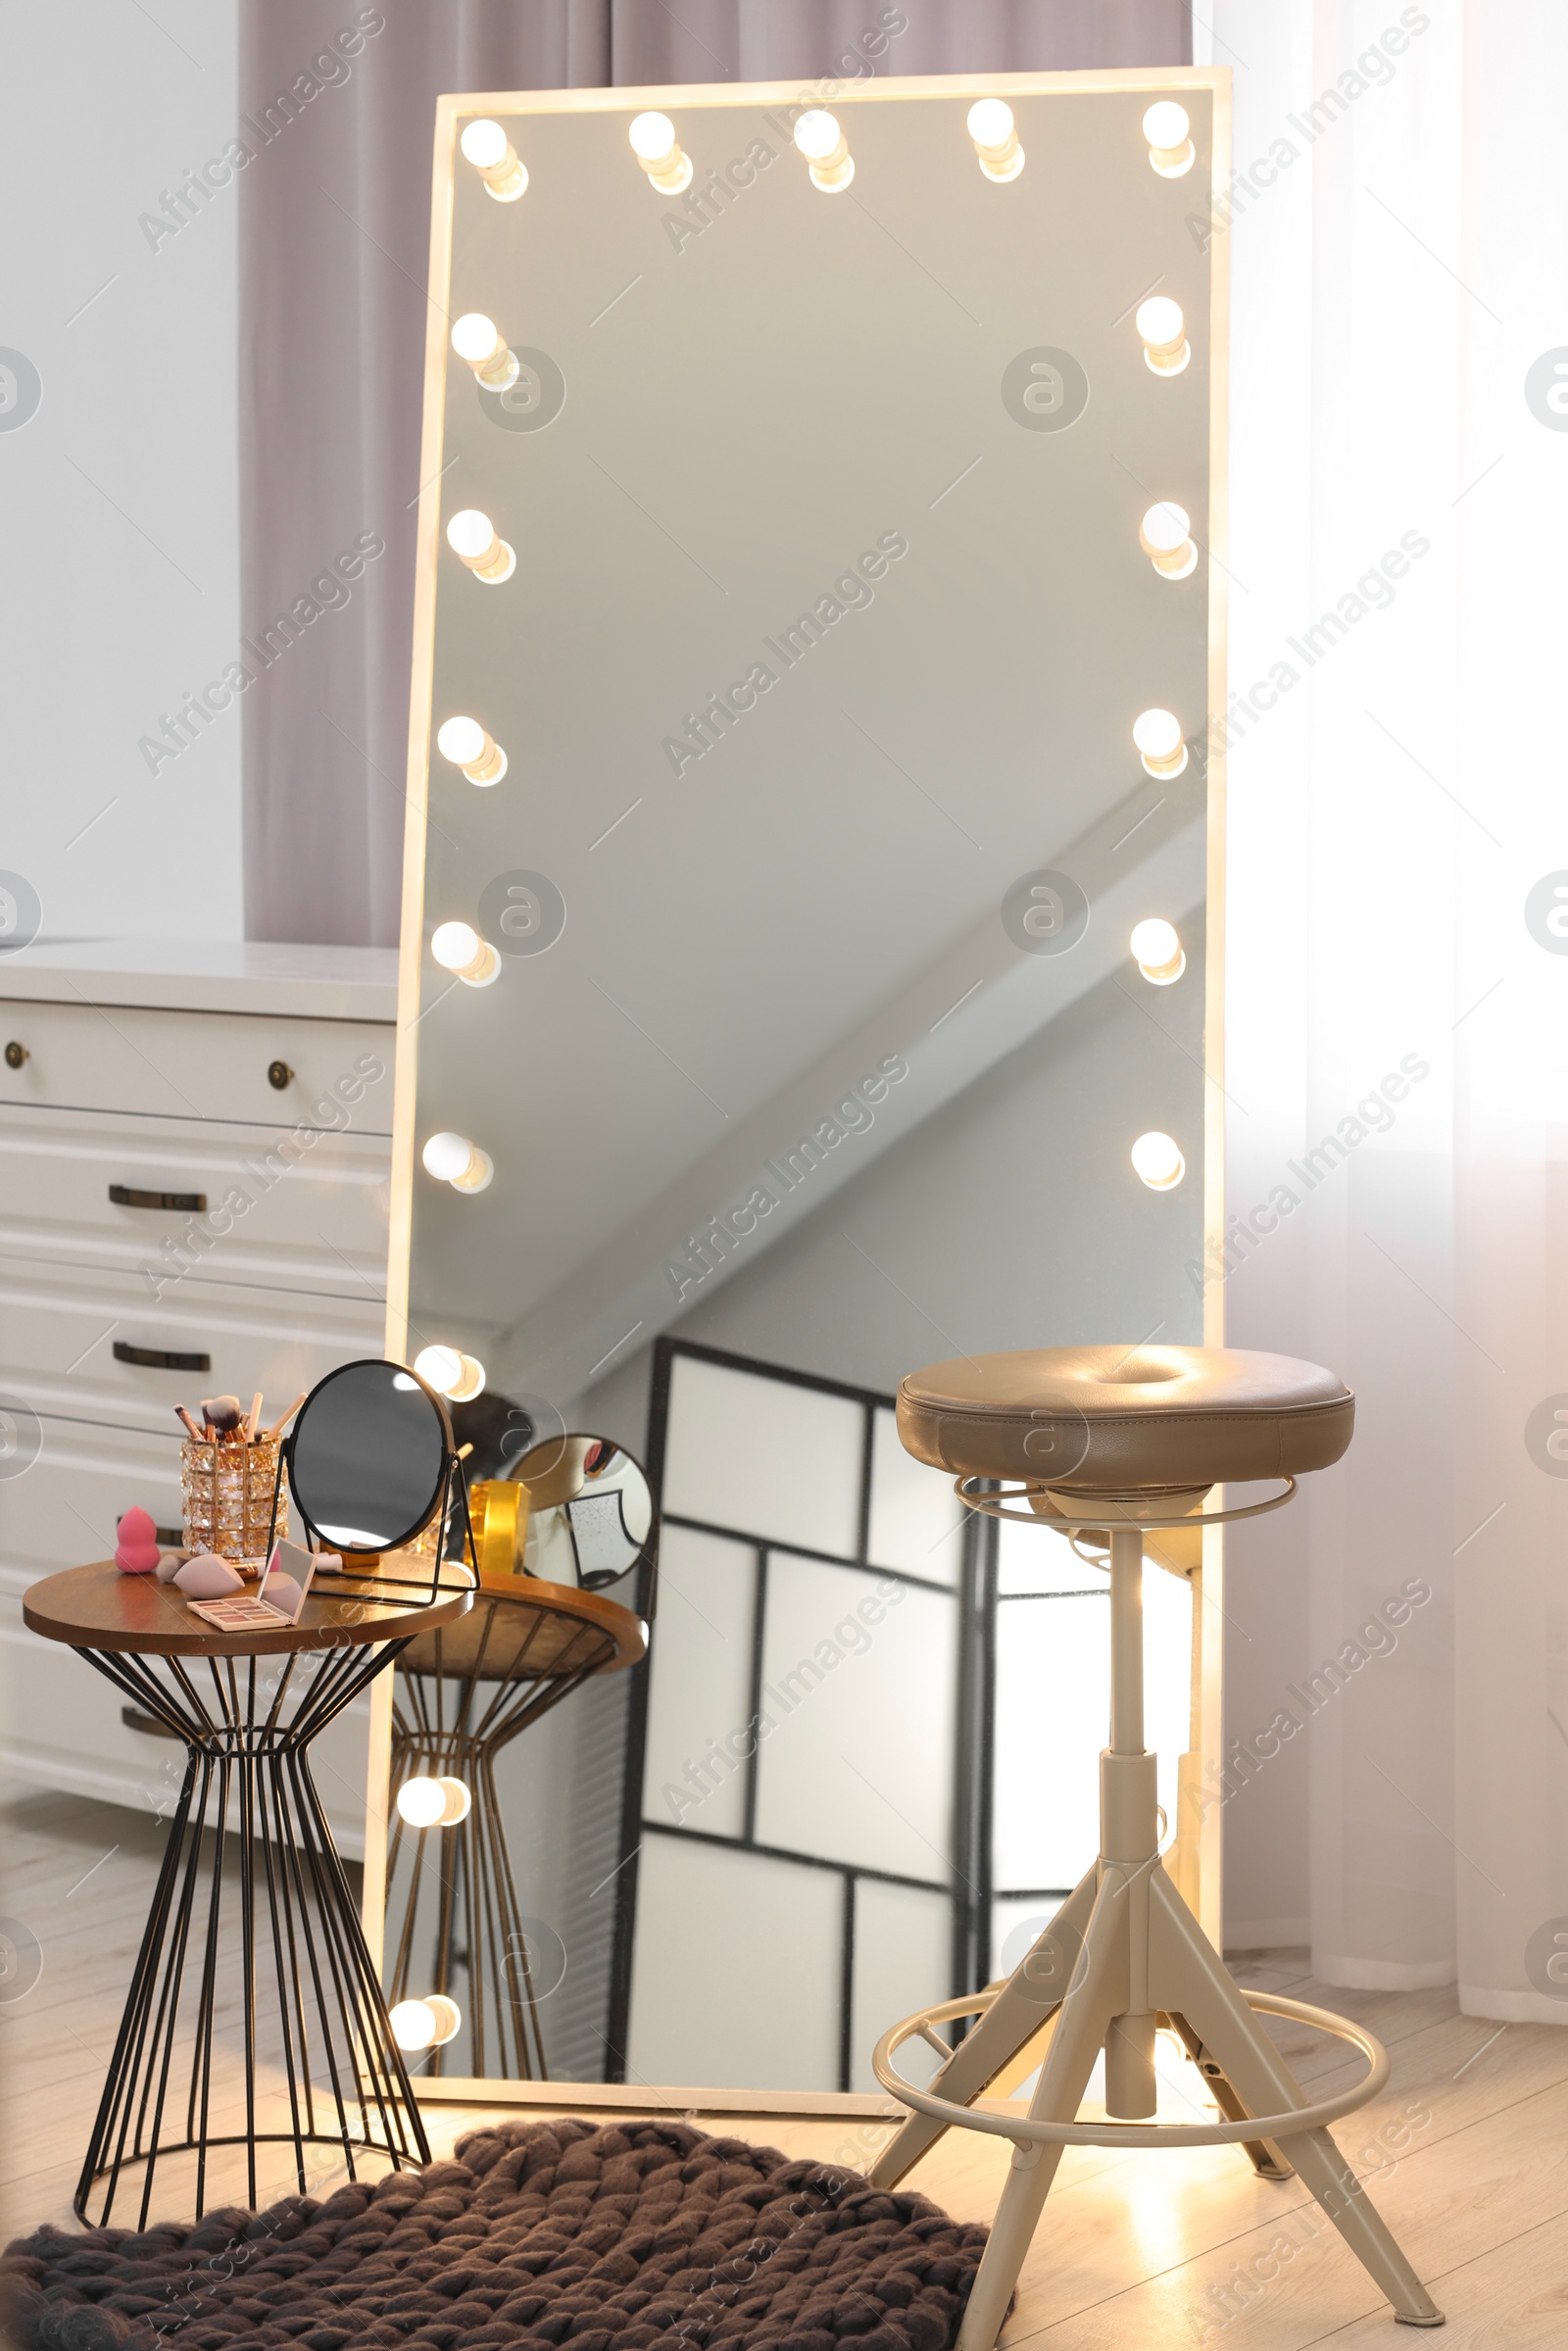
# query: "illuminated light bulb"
[[434, 1804], [1158, 951], [657, 148], [995, 138], [1167, 130], [1158, 737], [1163, 329], [826, 150], [1157, 1161], [480, 341], [473, 537], [452, 1159], [414, 2025], [458, 946], [456, 1376], [487, 147], [466, 744], [425, 2024], [1165, 535]]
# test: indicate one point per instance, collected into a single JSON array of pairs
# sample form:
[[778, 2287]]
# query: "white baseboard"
[[1384, 1975], [1267, 1935], [73, 1776], [1512, 2007]]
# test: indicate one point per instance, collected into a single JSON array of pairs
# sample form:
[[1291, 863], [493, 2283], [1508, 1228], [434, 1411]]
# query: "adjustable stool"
[[1114, 1442]]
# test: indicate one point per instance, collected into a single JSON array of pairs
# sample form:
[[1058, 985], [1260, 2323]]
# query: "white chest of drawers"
[[194, 1149]]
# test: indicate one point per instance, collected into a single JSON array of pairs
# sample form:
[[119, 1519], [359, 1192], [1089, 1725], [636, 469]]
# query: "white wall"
[[119, 497]]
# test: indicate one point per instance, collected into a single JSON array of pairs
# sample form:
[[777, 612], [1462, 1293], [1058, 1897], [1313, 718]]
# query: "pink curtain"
[[339, 103]]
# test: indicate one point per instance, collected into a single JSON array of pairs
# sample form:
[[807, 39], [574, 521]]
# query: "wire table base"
[[461, 1696], [214, 1953]]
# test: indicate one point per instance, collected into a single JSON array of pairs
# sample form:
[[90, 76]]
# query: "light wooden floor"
[[1470, 2147]]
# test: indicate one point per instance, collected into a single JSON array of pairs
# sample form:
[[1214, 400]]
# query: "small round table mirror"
[[591, 1513], [367, 1457]]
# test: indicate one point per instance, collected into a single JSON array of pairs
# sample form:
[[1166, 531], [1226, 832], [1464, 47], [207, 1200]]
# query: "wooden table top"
[[546, 1629], [98, 1608]]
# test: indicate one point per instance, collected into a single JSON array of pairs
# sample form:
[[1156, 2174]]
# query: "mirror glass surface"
[[812, 1047], [368, 1454]]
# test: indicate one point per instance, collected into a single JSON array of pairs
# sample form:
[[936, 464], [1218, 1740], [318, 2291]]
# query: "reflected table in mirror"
[[254, 2014], [456, 1928]]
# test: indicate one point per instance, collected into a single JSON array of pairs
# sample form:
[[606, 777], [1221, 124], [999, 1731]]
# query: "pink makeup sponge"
[[208, 1578], [136, 1549]]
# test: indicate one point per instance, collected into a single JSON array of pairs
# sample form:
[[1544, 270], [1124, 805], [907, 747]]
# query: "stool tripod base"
[[1122, 1951]]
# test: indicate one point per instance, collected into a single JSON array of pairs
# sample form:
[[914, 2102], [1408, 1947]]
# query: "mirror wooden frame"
[[1211, 202]]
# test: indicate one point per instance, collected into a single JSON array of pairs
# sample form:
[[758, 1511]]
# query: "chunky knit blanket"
[[640, 2236]]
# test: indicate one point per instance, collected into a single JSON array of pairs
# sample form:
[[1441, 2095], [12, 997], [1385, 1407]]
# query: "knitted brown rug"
[[640, 2235]]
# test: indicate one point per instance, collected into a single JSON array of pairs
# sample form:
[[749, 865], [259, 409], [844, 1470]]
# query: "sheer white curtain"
[[1396, 1672]]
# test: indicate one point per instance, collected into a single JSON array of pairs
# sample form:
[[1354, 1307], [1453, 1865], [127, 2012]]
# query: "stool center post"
[[1126, 1640]]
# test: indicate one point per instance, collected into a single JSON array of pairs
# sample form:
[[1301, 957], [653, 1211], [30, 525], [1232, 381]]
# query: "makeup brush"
[[253, 1417], [190, 1424], [280, 1424], [223, 1415]]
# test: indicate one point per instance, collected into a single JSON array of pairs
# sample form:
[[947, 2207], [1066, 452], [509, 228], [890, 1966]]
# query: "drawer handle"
[[279, 1075], [16, 1054], [159, 1358], [124, 1197]]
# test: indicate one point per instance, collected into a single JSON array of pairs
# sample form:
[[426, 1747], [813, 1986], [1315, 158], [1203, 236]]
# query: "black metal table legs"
[[458, 1702], [254, 1958]]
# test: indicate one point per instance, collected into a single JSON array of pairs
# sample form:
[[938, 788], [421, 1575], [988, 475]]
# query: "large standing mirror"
[[806, 975]]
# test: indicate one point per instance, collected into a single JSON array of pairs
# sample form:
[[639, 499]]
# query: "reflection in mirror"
[[811, 737], [367, 1457], [566, 1546]]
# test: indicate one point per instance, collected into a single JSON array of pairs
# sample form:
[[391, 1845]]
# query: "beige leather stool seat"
[[1119, 1421]]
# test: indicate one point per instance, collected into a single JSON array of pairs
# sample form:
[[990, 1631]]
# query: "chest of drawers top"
[[247, 1034]]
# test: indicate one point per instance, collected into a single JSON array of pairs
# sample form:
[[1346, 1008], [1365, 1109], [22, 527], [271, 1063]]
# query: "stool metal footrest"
[[1022, 2129]]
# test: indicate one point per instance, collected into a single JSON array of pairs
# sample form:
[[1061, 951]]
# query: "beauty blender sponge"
[[208, 1578], [137, 1547]]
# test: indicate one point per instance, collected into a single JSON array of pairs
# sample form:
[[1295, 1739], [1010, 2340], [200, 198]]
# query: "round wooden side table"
[[461, 1696], [279, 1961]]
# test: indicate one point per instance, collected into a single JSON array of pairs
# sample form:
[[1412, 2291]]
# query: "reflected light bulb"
[[1158, 737], [826, 150], [995, 138], [480, 341], [458, 946], [451, 1374], [447, 2013], [1167, 130], [1165, 537], [466, 744], [487, 147], [657, 148], [473, 537], [422, 1803], [425, 2024], [414, 2025], [1158, 951], [452, 1159], [1160, 322], [1157, 1161], [434, 1804]]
